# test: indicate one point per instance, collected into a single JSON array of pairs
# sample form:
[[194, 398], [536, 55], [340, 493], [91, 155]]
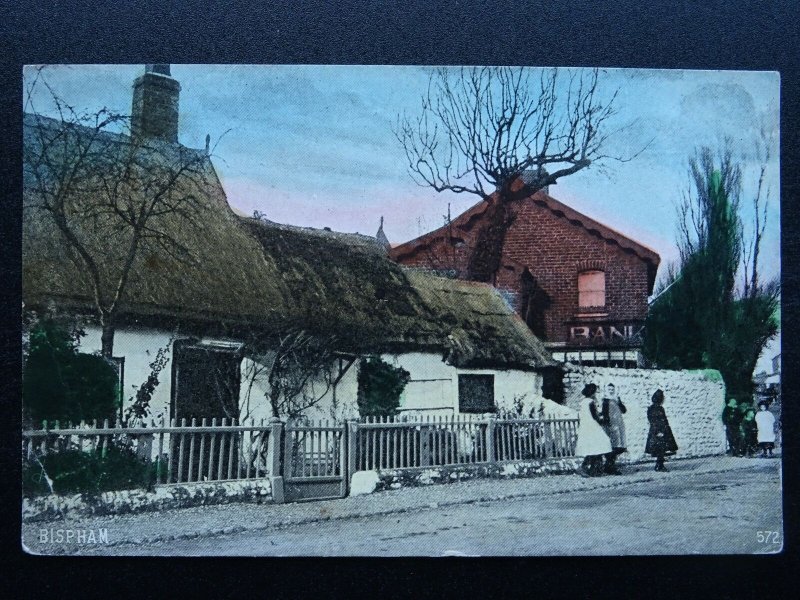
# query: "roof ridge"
[[561, 205], [607, 232], [37, 120], [342, 236]]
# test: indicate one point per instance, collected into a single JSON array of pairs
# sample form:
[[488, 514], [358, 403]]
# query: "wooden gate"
[[315, 461]]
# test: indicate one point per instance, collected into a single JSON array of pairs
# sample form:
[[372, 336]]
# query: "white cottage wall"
[[337, 402], [433, 388], [139, 347], [430, 389], [513, 384]]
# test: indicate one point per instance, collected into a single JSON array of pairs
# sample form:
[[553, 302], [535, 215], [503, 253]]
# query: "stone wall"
[[693, 401], [138, 501], [392, 479]]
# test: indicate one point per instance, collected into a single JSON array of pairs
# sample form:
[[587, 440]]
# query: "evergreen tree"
[[699, 319]]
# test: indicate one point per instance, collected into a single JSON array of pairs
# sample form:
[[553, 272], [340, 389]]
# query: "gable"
[[568, 221]]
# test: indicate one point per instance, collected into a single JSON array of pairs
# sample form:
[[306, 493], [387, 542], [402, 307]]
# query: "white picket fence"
[[421, 441], [183, 452]]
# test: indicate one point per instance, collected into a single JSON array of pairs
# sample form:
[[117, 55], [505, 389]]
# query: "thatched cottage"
[[211, 297]]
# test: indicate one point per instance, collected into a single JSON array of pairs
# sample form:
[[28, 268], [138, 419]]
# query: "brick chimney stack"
[[155, 104]]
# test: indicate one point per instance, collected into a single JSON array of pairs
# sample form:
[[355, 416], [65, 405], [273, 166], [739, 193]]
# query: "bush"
[[59, 383], [74, 471], [379, 387]]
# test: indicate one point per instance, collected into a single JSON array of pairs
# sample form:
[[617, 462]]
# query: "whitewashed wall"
[[433, 388], [139, 346], [693, 402], [337, 403]]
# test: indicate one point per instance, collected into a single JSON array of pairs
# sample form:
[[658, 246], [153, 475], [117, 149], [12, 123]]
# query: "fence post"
[[274, 460], [352, 449], [425, 434], [548, 447], [490, 456]]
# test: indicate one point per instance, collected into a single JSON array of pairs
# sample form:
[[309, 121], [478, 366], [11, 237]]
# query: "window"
[[476, 393], [591, 289], [206, 381]]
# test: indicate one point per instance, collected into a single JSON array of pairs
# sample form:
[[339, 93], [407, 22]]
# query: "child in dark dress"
[[731, 419], [748, 434], [660, 440]]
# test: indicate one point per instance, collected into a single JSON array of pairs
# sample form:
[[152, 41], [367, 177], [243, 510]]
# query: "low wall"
[[421, 476], [693, 401], [138, 501]]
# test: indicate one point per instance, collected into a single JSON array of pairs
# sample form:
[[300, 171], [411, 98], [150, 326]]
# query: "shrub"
[[74, 471], [59, 383], [379, 387]]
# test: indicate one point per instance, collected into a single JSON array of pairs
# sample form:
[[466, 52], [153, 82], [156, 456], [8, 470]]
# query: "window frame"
[[476, 408], [582, 306]]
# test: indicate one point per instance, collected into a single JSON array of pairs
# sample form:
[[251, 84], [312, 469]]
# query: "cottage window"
[[476, 393], [206, 381], [591, 289]]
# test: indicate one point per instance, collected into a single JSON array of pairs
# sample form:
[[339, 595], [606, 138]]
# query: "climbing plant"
[[379, 387]]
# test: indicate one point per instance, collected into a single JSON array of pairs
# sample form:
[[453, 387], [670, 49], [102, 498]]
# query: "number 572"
[[768, 537]]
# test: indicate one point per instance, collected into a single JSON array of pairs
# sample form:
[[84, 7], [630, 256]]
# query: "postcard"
[[307, 310]]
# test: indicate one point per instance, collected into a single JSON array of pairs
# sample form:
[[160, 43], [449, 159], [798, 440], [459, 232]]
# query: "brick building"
[[580, 286]]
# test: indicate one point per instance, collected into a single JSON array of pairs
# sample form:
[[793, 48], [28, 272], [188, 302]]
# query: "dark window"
[[205, 382], [476, 393]]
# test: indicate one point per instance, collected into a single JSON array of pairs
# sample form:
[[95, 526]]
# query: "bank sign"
[[605, 334]]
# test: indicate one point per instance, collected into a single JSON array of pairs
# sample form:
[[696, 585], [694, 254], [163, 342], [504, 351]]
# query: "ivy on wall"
[[379, 387]]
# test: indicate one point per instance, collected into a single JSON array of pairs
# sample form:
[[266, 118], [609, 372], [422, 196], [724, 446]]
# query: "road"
[[703, 513]]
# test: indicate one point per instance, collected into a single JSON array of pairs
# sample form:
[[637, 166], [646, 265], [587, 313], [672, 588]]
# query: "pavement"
[[245, 527]]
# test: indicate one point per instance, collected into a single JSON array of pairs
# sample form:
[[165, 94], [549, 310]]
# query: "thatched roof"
[[222, 272], [250, 273], [481, 329]]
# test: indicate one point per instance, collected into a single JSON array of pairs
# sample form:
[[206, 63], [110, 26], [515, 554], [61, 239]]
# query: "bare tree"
[[299, 361], [111, 196], [760, 204], [481, 128]]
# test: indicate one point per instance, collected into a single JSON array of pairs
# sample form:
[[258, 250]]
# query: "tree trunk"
[[487, 254], [274, 396], [107, 340]]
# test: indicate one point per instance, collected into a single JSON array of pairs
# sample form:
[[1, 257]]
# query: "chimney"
[[155, 105], [533, 176]]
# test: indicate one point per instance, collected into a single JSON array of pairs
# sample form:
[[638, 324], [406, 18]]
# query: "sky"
[[313, 145]]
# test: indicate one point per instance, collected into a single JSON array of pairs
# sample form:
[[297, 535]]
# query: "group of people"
[[601, 432], [748, 430]]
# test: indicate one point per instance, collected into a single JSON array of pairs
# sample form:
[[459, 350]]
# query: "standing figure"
[[748, 433], [731, 419], [765, 421], [660, 440], [593, 442], [614, 426]]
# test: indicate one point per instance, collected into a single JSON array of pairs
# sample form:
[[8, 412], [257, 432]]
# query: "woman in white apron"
[[765, 421], [593, 442]]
